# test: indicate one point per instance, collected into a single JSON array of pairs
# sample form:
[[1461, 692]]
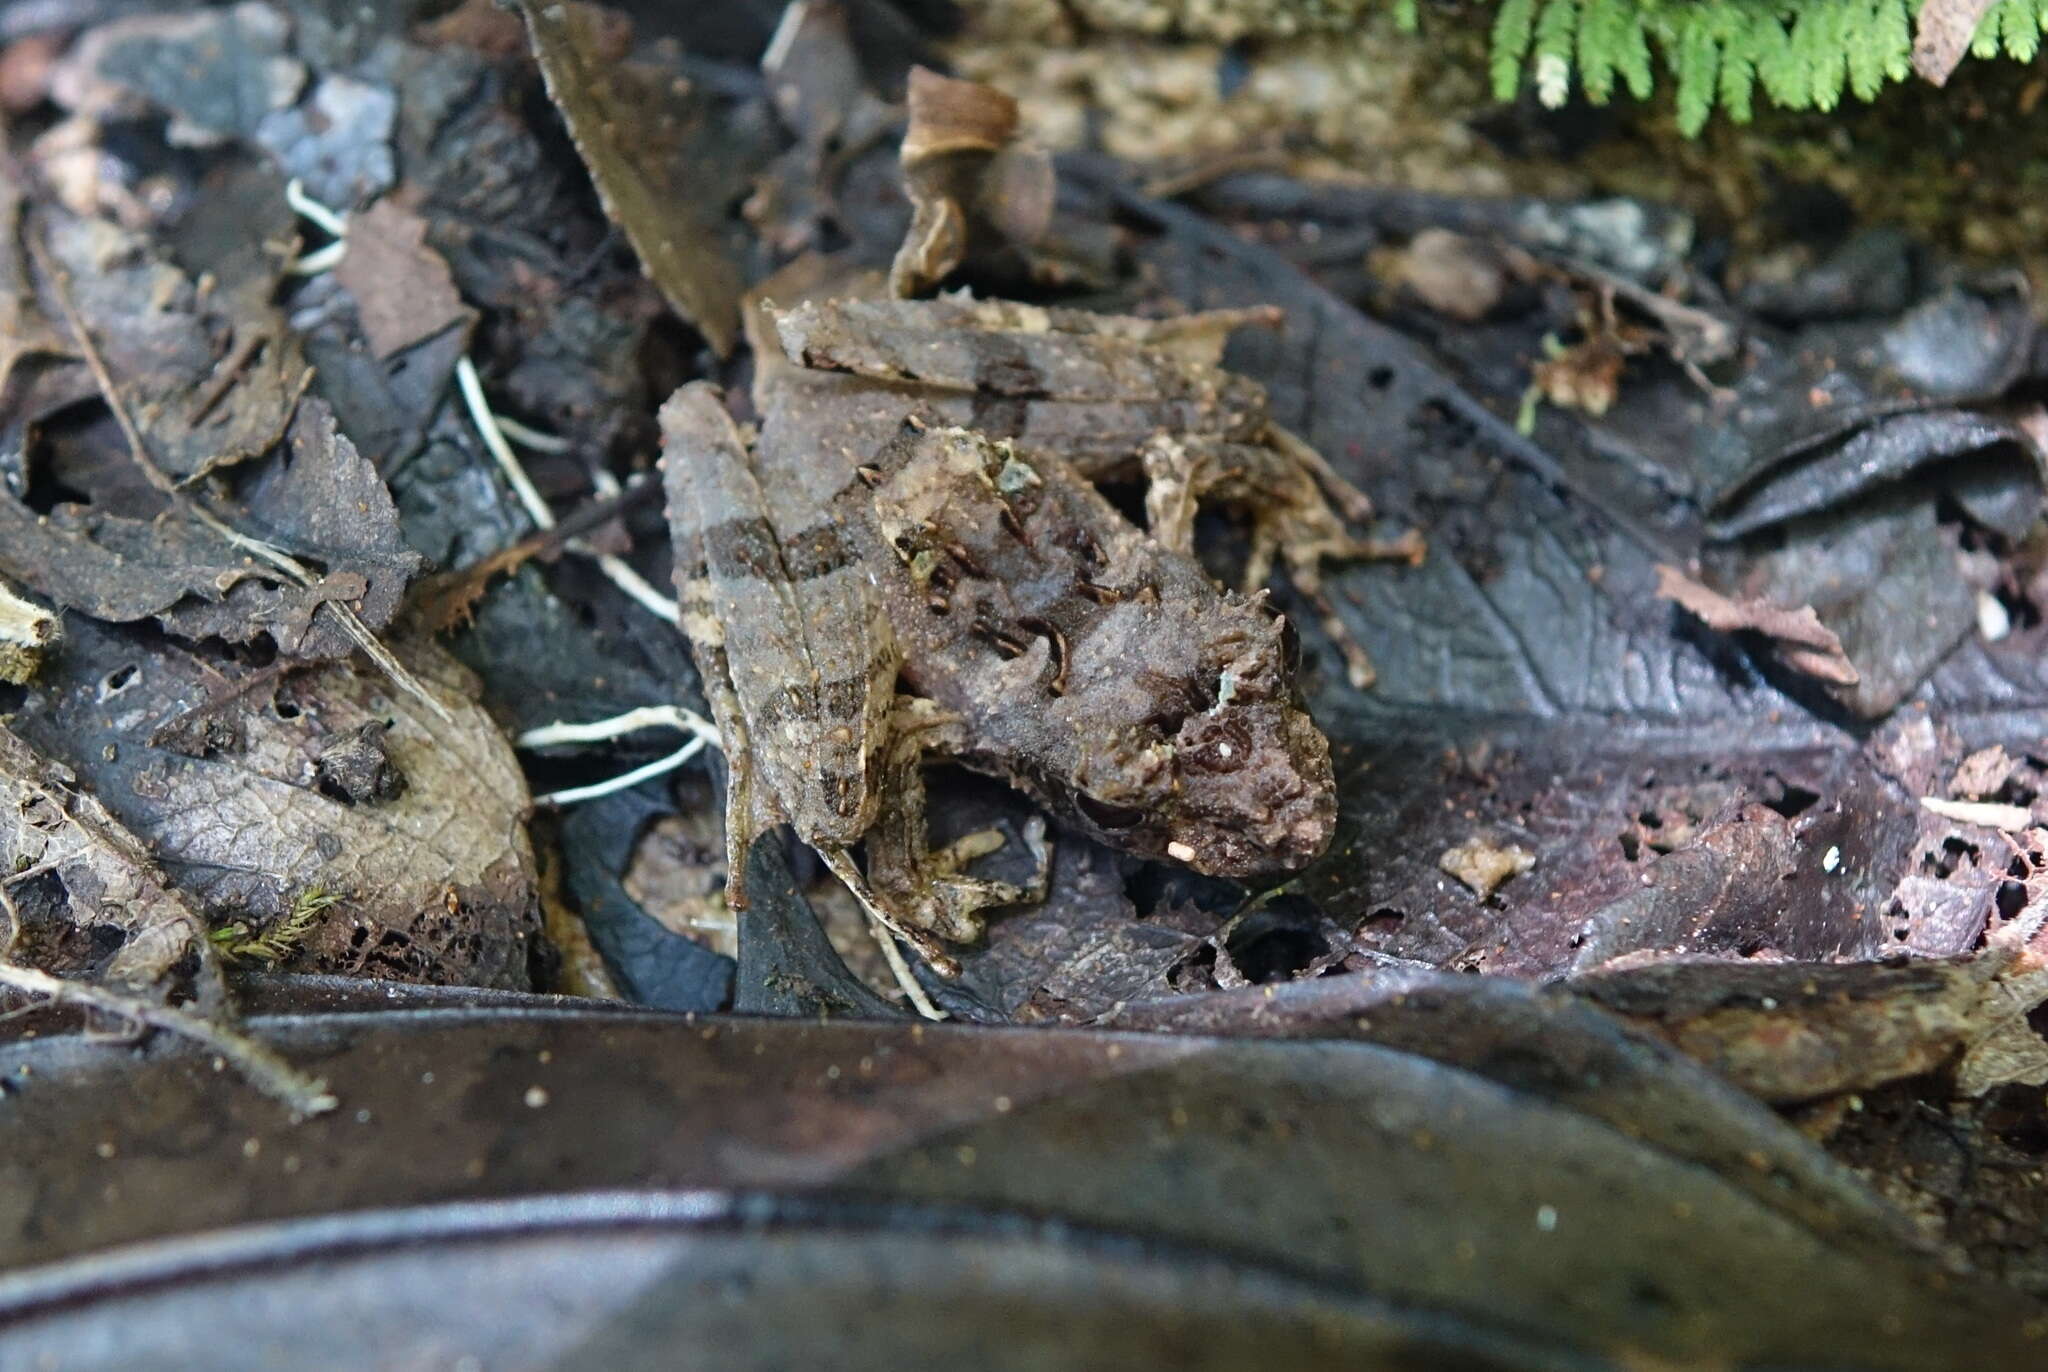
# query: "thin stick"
[[576, 794], [632, 721], [265, 1070], [491, 429]]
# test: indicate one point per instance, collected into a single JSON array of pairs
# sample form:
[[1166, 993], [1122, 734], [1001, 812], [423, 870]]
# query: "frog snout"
[[1257, 794]]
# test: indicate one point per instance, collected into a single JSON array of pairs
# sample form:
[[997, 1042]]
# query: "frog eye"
[[1108, 815]]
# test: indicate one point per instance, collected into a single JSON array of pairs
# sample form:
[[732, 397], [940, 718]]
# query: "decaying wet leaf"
[[1800, 639], [1797, 1033], [404, 292], [240, 795], [212, 375], [652, 152], [337, 141], [217, 71], [73, 868]]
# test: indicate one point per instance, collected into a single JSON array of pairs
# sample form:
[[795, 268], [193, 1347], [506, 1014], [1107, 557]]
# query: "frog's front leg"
[[928, 886], [1281, 485]]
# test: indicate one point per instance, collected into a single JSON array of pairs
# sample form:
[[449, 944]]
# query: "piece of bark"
[[1801, 641]]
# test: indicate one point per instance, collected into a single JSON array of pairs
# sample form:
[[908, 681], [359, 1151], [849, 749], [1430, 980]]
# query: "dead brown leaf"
[[71, 868], [213, 376], [403, 289], [648, 143], [423, 872], [320, 500]]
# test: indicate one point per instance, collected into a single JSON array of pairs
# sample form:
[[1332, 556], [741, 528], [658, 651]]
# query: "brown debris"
[[1801, 641], [1982, 773], [298, 802], [1449, 272], [403, 290], [27, 633]]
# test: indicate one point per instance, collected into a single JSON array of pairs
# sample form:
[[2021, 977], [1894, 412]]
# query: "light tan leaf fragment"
[[1943, 36], [27, 632], [1485, 866], [1800, 640]]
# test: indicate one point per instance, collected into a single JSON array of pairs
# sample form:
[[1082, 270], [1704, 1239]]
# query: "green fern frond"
[[1805, 54], [1556, 38], [2019, 26], [1513, 27], [1699, 64]]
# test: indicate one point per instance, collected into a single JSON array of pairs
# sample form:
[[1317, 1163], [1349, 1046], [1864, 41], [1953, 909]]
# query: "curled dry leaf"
[[972, 185], [1799, 638]]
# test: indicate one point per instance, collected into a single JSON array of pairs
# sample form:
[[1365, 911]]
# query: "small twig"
[[1989, 814], [577, 794], [265, 1070], [247, 343], [492, 430]]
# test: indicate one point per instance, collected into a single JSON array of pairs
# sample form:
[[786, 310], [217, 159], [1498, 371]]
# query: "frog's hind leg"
[[930, 884], [888, 926]]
